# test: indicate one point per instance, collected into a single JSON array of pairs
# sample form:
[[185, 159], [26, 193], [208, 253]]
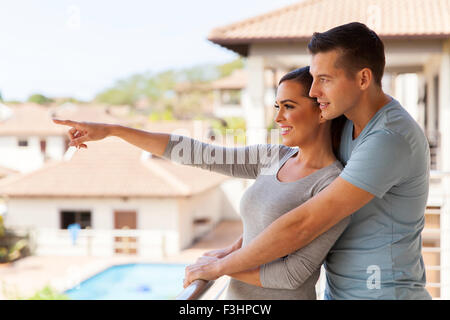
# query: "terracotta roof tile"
[[88, 113], [5, 172], [33, 119], [29, 119], [389, 18]]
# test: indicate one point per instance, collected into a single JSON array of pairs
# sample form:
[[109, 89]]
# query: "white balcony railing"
[[436, 242], [158, 244], [103, 242]]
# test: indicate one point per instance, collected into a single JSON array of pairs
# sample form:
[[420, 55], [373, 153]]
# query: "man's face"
[[336, 92]]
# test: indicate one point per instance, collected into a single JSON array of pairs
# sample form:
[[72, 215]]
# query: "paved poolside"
[[26, 276]]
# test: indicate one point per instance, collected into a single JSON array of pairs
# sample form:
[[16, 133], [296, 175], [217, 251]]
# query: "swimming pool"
[[132, 282]]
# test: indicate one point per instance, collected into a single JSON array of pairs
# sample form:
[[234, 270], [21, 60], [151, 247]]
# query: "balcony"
[[435, 251], [162, 245]]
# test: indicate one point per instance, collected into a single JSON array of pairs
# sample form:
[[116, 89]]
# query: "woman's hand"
[[218, 253], [208, 268], [206, 260], [82, 132], [205, 268]]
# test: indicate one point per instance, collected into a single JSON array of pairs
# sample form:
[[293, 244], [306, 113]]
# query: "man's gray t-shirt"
[[295, 275], [379, 254]]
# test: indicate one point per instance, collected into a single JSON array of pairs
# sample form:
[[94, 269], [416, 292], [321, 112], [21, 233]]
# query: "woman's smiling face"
[[298, 116]]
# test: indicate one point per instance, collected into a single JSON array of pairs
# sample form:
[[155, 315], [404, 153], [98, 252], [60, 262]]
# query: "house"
[[416, 35], [29, 138], [4, 173], [192, 97], [231, 96], [123, 199]]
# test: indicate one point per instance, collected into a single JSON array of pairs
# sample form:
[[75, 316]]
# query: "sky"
[[78, 48]]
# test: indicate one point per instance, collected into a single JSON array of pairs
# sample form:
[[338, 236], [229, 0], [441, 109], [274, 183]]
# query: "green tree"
[[124, 91], [198, 74], [2, 227], [48, 293], [157, 86], [130, 90], [162, 91], [39, 99], [227, 68]]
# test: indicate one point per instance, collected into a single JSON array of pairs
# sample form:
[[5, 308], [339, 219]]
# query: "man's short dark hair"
[[360, 47]]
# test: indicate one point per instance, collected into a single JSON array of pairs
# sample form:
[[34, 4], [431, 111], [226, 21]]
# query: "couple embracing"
[[346, 189]]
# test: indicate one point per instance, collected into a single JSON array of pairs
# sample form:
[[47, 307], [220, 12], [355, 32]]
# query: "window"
[[83, 218], [231, 97], [22, 143]]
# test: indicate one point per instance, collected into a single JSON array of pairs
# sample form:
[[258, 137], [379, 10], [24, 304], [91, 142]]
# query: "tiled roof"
[[29, 119], [4, 172], [111, 168], [197, 129], [94, 113], [33, 119], [389, 18], [237, 80]]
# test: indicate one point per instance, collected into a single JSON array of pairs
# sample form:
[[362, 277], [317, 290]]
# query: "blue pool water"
[[132, 282]]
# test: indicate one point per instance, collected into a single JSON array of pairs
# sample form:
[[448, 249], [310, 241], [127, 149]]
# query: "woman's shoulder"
[[336, 166], [285, 150], [327, 175], [272, 151], [332, 171]]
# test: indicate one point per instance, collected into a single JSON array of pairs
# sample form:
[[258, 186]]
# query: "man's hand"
[[82, 132], [205, 268], [296, 228]]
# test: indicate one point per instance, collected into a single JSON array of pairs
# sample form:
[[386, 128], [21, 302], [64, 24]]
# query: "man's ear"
[[364, 79]]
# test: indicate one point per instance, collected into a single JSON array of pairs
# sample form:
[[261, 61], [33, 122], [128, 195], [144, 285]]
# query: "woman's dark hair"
[[303, 77], [360, 48]]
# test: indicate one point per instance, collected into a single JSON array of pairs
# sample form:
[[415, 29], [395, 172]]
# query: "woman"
[[285, 178]]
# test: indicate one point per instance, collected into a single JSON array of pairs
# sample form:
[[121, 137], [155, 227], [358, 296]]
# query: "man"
[[384, 185]]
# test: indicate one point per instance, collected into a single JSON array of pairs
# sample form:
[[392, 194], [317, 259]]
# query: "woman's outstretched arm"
[[242, 162], [82, 132]]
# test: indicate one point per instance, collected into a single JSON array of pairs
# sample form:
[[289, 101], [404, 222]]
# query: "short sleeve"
[[379, 162], [327, 179]]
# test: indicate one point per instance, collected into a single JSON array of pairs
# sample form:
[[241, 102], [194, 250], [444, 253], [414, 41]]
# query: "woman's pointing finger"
[[66, 122]]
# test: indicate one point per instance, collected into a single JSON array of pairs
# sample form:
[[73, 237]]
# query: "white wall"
[[30, 158], [153, 214], [32, 213], [168, 218], [227, 110], [55, 147], [254, 102], [207, 205], [406, 92], [23, 159], [233, 189], [43, 215]]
